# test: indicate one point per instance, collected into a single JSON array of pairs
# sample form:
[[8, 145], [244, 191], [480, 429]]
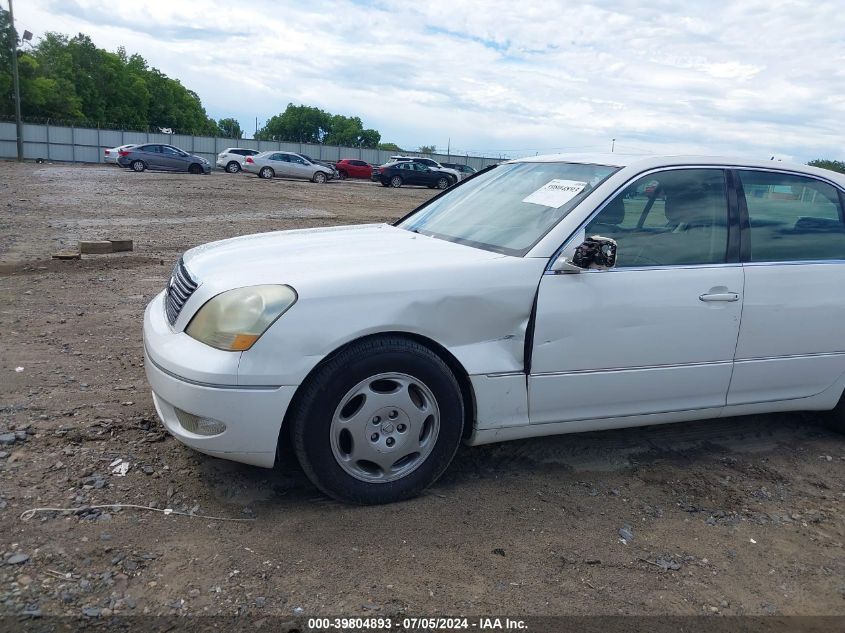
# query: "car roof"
[[646, 162]]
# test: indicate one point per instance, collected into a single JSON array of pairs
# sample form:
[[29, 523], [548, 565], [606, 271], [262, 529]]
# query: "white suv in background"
[[232, 158], [431, 164]]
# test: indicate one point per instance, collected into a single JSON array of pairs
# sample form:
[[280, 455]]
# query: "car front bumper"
[[252, 415]]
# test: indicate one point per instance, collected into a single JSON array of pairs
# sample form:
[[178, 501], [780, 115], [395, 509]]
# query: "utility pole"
[[17, 83], [612, 145]]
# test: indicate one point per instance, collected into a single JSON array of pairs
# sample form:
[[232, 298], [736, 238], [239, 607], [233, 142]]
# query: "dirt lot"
[[730, 516]]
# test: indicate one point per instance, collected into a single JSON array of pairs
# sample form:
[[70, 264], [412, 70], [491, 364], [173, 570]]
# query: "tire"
[[396, 181], [195, 169], [266, 172], [384, 184], [233, 167], [353, 410], [341, 175], [835, 419], [320, 178], [138, 165], [443, 182]]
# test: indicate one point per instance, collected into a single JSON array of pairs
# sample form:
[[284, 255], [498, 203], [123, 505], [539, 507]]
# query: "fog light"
[[199, 425]]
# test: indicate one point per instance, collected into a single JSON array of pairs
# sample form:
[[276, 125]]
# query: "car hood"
[[310, 255], [352, 281]]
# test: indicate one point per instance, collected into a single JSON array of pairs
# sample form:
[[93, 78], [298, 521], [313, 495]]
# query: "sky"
[[753, 78]]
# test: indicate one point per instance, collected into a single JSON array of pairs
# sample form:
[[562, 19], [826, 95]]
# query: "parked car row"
[[401, 170]]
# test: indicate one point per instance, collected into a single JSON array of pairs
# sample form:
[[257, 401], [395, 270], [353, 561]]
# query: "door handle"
[[719, 296]]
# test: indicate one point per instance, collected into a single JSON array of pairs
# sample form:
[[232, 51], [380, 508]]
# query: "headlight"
[[235, 319]]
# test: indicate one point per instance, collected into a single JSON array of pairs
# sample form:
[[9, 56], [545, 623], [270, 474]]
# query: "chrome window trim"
[[646, 268], [648, 172], [796, 262]]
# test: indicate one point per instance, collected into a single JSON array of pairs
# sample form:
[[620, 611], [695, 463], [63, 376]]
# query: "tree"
[[70, 79], [389, 147], [427, 149], [302, 124], [229, 128], [308, 124], [7, 36], [833, 165]]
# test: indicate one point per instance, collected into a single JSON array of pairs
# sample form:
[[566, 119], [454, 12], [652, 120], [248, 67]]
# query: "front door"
[[299, 168], [657, 334]]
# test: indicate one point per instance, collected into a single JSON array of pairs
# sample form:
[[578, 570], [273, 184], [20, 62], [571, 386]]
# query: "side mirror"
[[595, 252]]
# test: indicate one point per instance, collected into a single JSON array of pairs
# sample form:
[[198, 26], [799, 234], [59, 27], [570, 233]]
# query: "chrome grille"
[[179, 290]]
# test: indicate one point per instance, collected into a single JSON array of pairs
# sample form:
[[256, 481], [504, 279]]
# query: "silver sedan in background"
[[287, 165]]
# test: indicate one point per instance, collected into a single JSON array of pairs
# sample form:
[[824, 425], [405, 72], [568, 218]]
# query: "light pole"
[[17, 83], [612, 141]]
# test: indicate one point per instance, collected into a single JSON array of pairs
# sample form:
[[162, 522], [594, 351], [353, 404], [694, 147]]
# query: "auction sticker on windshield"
[[556, 193]]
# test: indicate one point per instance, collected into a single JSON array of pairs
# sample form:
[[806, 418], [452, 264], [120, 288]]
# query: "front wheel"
[[138, 165], [195, 169], [266, 172], [341, 175], [379, 422], [396, 181], [233, 167], [442, 183], [319, 178]]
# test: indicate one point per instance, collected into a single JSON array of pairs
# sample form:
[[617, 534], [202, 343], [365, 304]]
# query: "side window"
[[793, 218], [670, 218]]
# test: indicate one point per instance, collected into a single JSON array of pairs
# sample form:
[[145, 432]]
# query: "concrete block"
[[95, 248], [67, 255], [119, 246]]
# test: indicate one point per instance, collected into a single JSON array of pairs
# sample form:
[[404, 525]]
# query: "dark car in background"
[[465, 170], [354, 168], [162, 157], [410, 173]]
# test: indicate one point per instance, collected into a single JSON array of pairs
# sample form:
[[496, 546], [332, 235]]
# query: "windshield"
[[509, 208]]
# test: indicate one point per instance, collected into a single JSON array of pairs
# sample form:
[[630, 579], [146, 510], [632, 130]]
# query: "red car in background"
[[353, 168]]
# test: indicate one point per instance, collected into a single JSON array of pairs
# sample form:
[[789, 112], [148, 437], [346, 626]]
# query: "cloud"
[[760, 77]]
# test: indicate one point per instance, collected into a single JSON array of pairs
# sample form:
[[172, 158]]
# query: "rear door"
[[151, 155], [792, 341]]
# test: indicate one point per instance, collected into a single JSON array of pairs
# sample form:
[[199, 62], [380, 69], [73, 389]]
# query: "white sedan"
[[546, 295], [111, 155]]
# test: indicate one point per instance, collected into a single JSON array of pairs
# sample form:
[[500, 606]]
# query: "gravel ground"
[[728, 516]]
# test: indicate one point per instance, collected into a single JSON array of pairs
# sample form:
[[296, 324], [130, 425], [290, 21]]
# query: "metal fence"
[[86, 145]]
